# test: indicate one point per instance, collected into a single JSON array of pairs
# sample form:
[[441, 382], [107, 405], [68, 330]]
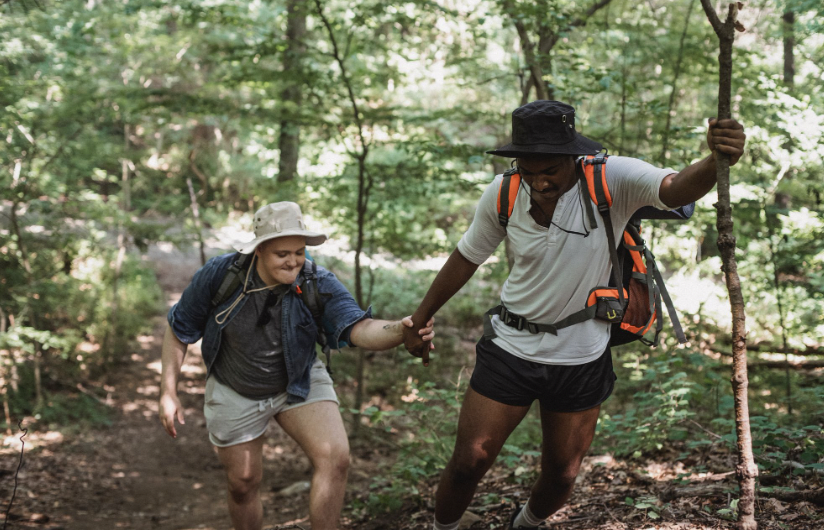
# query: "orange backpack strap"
[[507, 193], [596, 179], [595, 174]]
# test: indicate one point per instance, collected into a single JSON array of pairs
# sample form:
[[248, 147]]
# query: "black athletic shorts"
[[510, 380]]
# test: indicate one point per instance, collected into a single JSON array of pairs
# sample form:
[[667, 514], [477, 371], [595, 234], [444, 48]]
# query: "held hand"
[[418, 343], [169, 409], [726, 136]]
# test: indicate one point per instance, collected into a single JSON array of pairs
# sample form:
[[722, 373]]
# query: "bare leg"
[[567, 437], [483, 427], [243, 464], [318, 429]]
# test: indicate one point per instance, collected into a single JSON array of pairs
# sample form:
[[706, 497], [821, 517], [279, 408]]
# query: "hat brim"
[[313, 239], [581, 145]]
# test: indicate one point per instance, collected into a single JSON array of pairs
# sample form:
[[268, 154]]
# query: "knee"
[[333, 460], [243, 484], [471, 464], [561, 476]]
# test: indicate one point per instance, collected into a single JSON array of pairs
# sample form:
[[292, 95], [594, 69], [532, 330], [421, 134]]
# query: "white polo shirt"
[[554, 270]]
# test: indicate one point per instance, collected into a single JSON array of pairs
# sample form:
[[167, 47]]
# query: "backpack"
[[633, 309], [307, 288]]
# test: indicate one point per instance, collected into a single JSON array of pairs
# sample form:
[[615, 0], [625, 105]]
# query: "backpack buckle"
[[511, 319]]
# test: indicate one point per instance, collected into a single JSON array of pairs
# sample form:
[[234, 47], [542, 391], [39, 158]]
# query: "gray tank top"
[[250, 359]]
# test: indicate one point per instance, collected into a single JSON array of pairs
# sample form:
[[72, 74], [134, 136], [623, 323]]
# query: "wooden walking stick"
[[746, 470]]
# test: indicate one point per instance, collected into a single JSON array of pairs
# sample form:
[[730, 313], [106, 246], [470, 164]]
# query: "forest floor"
[[130, 474]]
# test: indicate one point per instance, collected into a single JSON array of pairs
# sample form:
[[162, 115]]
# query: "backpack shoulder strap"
[[313, 298], [309, 292], [232, 278], [596, 178], [507, 193]]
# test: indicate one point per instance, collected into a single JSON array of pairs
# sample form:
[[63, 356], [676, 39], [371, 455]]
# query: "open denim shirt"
[[193, 318]]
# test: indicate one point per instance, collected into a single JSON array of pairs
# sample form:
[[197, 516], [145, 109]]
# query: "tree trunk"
[[779, 298], [548, 35], [675, 75], [364, 188], [789, 48], [39, 400], [746, 470], [4, 385], [110, 340], [291, 96]]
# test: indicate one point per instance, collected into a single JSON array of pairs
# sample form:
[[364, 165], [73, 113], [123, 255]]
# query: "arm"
[[455, 273], [172, 357], [696, 180], [384, 334]]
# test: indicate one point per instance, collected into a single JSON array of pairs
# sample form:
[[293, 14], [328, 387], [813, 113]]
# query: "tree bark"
[[548, 36], [746, 470], [789, 48], [4, 386], [292, 96], [195, 207]]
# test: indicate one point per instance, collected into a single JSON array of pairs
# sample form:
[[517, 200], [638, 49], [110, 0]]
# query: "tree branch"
[[581, 21]]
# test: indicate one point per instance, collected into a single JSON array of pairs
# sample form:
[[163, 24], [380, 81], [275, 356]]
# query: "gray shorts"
[[233, 419]]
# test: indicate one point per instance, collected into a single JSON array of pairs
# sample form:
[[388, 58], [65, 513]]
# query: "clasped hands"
[[418, 343]]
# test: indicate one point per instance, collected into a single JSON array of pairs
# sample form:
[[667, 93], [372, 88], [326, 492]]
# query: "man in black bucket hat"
[[558, 258]]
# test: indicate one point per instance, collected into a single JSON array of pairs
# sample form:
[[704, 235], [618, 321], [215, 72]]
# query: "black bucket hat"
[[546, 128]]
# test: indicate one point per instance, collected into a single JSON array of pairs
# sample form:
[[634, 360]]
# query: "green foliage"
[[428, 425], [431, 417], [651, 506], [656, 412]]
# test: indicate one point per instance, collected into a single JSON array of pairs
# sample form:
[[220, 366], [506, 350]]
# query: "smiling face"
[[280, 260], [549, 177]]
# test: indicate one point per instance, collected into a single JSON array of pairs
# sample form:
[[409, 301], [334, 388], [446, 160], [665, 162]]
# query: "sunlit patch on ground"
[[12, 444], [146, 342]]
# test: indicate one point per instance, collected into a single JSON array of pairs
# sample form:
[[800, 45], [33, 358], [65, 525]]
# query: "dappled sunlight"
[[149, 390], [270, 451], [146, 342], [188, 369], [663, 470], [148, 407], [33, 440]]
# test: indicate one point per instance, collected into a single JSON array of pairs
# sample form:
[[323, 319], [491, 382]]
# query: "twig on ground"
[[611, 514]]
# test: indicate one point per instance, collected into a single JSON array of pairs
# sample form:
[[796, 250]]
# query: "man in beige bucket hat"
[[258, 343]]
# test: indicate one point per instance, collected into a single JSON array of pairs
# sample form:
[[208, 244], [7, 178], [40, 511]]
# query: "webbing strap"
[[582, 186], [676, 324], [597, 162], [520, 323], [507, 195], [312, 298], [651, 268], [231, 279]]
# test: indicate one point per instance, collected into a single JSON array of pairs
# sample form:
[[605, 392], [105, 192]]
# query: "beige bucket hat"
[[280, 219]]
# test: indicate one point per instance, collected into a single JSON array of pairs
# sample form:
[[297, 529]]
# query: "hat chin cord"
[[529, 190]]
